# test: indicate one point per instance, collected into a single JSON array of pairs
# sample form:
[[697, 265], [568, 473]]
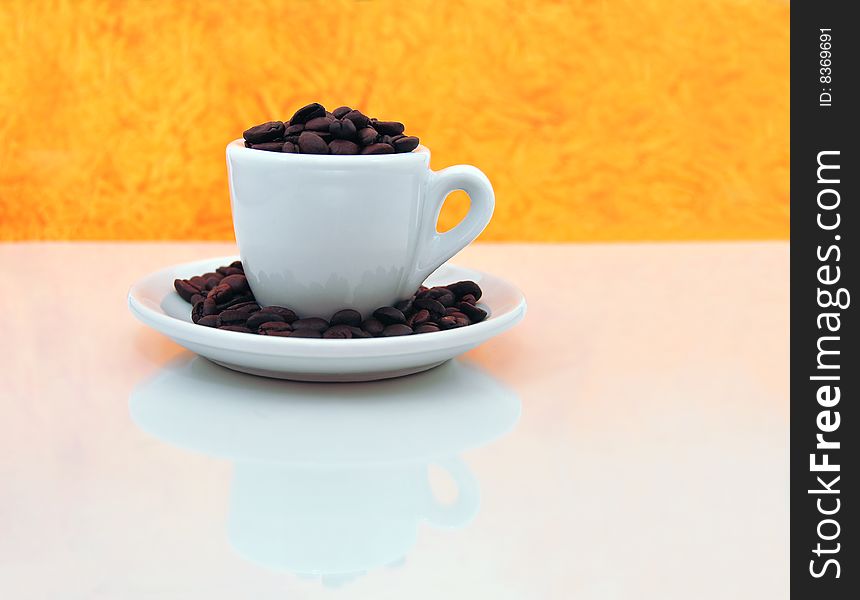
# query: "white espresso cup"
[[319, 234]]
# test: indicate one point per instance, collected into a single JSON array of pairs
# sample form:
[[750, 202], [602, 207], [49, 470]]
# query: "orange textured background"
[[595, 120]]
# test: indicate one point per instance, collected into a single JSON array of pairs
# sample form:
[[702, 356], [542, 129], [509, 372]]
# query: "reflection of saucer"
[[439, 413], [153, 301], [330, 479]]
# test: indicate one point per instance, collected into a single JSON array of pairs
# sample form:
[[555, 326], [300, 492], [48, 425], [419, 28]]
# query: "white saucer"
[[154, 302]]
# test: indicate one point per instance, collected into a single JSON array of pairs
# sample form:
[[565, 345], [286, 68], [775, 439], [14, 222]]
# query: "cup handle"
[[439, 247], [468, 497]]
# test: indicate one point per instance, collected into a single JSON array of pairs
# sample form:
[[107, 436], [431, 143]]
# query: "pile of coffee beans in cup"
[[314, 130], [223, 299]]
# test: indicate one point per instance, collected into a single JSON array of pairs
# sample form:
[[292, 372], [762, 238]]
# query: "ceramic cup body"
[[322, 233]]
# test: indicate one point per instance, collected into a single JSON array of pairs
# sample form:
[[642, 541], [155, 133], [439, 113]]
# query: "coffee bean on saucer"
[[406, 143], [389, 127], [378, 148], [421, 317], [210, 321], [272, 326], [475, 314], [367, 136], [338, 332], [259, 317], [389, 315], [434, 306], [462, 288], [447, 323], [442, 294], [346, 317], [319, 124], [358, 119], [197, 311], [290, 148], [306, 333], [209, 307], [294, 129], [340, 111], [277, 333], [358, 332], [313, 323], [238, 328], [343, 129], [426, 328], [269, 146], [285, 313], [404, 306], [197, 298], [185, 289], [397, 329], [373, 326], [265, 132], [233, 317], [248, 144], [306, 113], [311, 143], [343, 147], [469, 299]]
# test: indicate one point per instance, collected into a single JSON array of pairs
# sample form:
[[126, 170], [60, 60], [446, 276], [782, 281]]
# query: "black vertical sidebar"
[[825, 367]]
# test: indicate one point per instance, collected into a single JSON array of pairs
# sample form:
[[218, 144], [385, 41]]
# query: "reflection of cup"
[[322, 233], [330, 479], [348, 519]]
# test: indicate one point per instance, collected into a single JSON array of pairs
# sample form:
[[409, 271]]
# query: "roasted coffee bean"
[[406, 143], [210, 307], [239, 328], [288, 315], [265, 132], [421, 317], [186, 289], [210, 321], [447, 323], [475, 314], [358, 332], [343, 129], [442, 294], [306, 113], [434, 306], [197, 281], [461, 288], [461, 320], [231, 271], [426, 328], [346, 317], [404, 306], [238, 283], [294, 129], [248, 144], [378, 149], [233, 317], [386, 139], [277, 333], [293, 139], [259, 317], [311, 143], [343, 147], [197, 298], [270, 326], [341, 111], [247, 306], [469, 299], [315, 323], [236, 264], [290, 148], [373, 326], [358, 119], [197, 311], [451, 310], [306, 333], [270, 146], [398, 329], [338, 332], [319, 124], [367, 136], [237, 301], [389, 315], [388, 127]]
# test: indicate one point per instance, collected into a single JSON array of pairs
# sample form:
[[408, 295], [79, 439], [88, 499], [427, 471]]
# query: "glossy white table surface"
[[629, 439]]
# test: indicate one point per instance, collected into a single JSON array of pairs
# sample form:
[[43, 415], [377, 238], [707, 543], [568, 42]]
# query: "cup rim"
[[421, 153]]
